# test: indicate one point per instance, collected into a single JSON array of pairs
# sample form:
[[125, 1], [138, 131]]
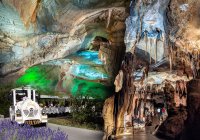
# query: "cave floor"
[[139, 136], [142, 134], [78, 133]]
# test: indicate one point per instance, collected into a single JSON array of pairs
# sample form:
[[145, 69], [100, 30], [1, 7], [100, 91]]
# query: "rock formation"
[[149, 49], [108, 117], [158, 34], [70, 29]]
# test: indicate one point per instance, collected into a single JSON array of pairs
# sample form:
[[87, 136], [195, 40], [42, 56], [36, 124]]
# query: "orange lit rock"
[[108, 116], [27, 10]]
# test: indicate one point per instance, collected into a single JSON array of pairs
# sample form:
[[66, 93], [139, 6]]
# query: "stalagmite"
[[120, 116], [108, 116], [134, 104], [141, 110]]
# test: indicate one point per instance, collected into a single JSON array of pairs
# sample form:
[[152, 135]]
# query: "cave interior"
[[141, 57]]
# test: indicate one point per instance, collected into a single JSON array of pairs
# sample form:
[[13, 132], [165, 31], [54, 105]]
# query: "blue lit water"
[[88, 66], [88, 72], [90, 56]]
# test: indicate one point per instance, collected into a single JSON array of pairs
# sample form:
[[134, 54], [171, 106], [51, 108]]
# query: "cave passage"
[[81, 73]]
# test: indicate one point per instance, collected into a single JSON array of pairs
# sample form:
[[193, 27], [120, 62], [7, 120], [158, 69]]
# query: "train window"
[[36, 96], [31, 94], [20, 94]]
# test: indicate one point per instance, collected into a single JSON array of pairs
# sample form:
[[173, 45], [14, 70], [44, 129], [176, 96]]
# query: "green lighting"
[[40, 77], [91, 89], [82, 81]]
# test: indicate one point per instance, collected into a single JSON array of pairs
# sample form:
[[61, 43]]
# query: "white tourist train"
[[25, 108]]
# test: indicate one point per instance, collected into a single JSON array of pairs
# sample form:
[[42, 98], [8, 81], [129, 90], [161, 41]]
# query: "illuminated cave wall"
[[11, 23], [40, 41], [41, 77], [77, 74], [55, 33], [145, 29]]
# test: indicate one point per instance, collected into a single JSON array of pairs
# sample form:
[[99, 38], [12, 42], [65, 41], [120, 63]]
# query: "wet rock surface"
[[156, 33], [192, 125], [183, 123]]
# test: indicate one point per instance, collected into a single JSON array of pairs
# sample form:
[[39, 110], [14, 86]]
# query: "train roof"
[[52, 97], [24, 88]]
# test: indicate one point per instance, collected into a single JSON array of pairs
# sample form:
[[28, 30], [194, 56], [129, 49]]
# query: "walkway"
[[139, 135], [142, 134], [78, 133]]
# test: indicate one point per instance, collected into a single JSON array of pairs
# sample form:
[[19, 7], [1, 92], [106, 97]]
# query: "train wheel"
[[43, 124]]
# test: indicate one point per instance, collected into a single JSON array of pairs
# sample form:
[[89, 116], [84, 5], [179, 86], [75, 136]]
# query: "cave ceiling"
[[53, 29]]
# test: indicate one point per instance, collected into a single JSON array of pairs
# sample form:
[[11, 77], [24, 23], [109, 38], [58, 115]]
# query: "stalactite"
[[146, 40], [170, 61], [185, 86], [109, 16], [177, 87], [151, 86], [178, 53], [150, 40], [155, 49], [182, 87], [193, 68], [156, 89], [147, 70], [198, 68], [173, 84]]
